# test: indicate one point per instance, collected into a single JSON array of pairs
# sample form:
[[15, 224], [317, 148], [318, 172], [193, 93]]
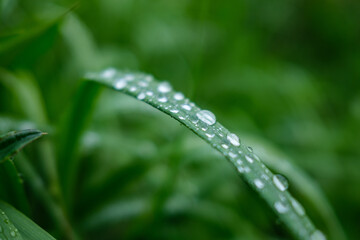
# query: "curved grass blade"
[[7, 228], [306, 186], [13, 142], [72, 129], [272, 188], [25, 228]]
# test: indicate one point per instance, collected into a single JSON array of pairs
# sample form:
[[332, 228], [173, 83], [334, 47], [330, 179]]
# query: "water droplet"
[[264, 176], [162, 99], [317, 235], [13, 234], [210, 135], [298, 207], [133, 89], [6, 221], [280, 207], [120, 84], [186, 107], [206, 117], [233, 139], [232, 155], [239, 162], [141, 96], [143, 84], [249, 159], [129, 77], [181, 118], [250, 149], [280, 182], [174, 110], [164, 87], [178, 96], [149, 93], [258, 183], [225, 146], [108, 73]]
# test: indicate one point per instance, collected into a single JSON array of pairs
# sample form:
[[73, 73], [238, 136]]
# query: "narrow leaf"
[[26, 227], [271, 187], [7, 228], [12, 142]]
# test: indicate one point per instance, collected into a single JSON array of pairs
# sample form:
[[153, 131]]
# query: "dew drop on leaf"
[[186, 107], [258, 183], [280, 207], [162, 99], [178, 96], [120, 84], [299, 209], [249, 159], [280, 182], [233, 139], [164, 87], [206, 117], [141, 96], [108, 73]]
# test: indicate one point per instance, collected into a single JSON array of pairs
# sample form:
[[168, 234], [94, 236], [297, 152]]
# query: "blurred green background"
[[283, 75]]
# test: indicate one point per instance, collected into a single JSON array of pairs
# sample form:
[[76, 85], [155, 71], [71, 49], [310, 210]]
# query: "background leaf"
[[26, 228]]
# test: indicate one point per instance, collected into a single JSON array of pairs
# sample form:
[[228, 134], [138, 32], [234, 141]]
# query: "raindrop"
[[120, 84], [210, 135], [249, 159], [133, 89], [225, 146], [232, 155], [150, 93], [298, 207], [108, 73], [13, 234], [258, 183], [164, 87], [233, 139], [206, 117], [174, 110], [239, 162], [141, 96], [129, 77], [317, 235], [280, 182], [143, 84], [280, 207], [162, 99], [186, 107], [178, 96], [250, 149]]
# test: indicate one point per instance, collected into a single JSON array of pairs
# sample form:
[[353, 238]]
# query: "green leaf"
[[269, 186], [12, 142], [7, 228], [27, 229], [11, 187], [76, 122]]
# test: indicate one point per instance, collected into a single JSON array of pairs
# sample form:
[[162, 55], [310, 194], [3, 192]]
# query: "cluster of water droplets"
[[204, 123], [7, 230]]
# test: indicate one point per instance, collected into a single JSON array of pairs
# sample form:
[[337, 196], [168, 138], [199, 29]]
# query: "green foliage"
[[283, 75], [21, 226]]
